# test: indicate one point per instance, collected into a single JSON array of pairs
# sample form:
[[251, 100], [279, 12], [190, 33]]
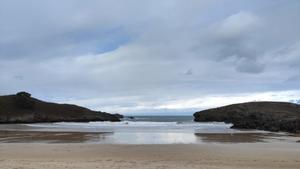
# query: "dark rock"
[[23, 101], [24, 94], [271, 116], [130, 117], [22, 108], [120, 116]]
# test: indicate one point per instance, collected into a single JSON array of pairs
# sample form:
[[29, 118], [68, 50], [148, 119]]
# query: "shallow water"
[[142, 138], [141, 130]]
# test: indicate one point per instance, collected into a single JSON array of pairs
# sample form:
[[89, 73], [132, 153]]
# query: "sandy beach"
[[25, 149], [200, 156]]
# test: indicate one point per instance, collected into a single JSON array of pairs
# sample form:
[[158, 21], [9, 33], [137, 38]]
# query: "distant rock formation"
[[120, 116], [270, 116], [131, 117], [22, 108]]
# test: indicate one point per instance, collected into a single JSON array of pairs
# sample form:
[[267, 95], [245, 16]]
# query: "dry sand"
[[198, 156]]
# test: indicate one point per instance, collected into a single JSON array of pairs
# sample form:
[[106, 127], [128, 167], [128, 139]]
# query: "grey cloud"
[[188, 72], [249, 66], [137, 53]]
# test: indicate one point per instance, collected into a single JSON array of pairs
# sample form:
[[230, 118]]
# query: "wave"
[[131, 124], [134, 126]]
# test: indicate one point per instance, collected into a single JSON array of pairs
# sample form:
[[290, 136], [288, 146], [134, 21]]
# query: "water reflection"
[[231, 137], [140, 137], [150, 138], [92, 137], [242, 137], [50, 137]]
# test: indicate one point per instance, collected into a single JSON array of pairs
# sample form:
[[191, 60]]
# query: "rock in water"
[[271, 116], [22, 108], [120, 116]]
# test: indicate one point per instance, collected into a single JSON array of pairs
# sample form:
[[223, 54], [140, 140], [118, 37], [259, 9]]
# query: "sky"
[[151, 56]]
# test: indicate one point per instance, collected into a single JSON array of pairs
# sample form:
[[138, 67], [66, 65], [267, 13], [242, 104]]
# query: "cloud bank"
[[151, 56]]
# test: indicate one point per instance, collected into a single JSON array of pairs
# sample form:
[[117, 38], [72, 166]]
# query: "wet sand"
[[173, 156], [50, 137], [109, 138], [78, 150]]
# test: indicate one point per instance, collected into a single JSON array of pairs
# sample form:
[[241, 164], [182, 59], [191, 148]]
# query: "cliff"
[[22, 108], [271, 116]]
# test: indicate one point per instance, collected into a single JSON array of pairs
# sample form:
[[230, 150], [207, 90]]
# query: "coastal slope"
[[270, 116], [22, 108]]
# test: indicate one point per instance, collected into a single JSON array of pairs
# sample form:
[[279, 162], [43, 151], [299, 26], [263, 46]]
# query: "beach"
[[145, 84], [189, 156], [145, 144]]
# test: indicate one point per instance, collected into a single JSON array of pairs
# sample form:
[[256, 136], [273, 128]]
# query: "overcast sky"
[[154, 56]]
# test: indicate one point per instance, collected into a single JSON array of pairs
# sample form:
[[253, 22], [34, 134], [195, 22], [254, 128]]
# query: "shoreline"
[[138, 138], [31, 149]]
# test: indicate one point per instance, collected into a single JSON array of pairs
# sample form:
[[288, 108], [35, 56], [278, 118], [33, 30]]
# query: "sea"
[[140, 124], [135, 130]]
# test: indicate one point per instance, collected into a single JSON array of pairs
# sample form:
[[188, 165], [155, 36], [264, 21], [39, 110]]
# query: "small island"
[[22, 108], [270, 116]]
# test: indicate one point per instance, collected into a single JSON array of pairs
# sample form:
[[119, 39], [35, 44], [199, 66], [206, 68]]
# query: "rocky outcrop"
[[120, 116], [22, 108], [271, 116]]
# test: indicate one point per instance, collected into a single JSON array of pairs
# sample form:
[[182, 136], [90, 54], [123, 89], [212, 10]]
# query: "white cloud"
[[134, 105], [222, 100], [237, 24], [137, 56]]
